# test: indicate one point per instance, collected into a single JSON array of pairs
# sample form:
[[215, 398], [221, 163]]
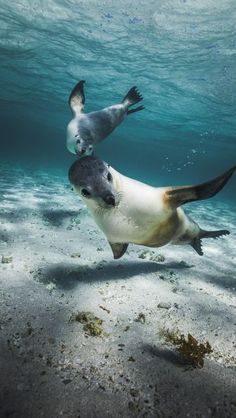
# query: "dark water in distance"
[[181, 54]]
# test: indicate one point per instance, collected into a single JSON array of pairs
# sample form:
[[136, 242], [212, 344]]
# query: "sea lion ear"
[[176, 196], [118, 249], [77, 98]]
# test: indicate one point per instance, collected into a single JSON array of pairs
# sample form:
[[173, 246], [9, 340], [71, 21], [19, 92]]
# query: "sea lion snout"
[[83, 149], [110, 200]]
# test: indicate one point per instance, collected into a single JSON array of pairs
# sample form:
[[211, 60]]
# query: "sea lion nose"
[[83, 151], [110, 200]]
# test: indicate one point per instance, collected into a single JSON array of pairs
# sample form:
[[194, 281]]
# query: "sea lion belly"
[[141, 217], [143, 230]]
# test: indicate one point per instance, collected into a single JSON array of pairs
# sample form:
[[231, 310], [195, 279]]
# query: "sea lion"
[[88, 129], [128, 211]]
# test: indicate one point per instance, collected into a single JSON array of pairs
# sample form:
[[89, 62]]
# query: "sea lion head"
[[92, 179], [79, 142], [83, 146]]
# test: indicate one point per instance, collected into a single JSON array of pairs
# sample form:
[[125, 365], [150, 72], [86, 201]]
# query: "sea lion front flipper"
[[176, 196], [118, 249], [77, 98]]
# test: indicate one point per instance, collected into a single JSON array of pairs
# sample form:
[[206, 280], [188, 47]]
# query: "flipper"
[[77, 98], [118, 249], [137, 109], [197, 242], [176, 196], [197, 245], [132, 97]]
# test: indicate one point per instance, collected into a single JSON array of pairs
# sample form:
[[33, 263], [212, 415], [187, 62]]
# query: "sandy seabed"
[[61, 264]]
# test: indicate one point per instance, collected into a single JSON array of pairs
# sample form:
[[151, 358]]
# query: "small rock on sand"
[[150, 255], [164, 305], [6, 259], [75, 255], [141, 318]]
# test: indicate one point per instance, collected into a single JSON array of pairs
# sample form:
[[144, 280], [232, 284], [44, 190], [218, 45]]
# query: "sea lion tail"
[[132, 97], [176, 196], [197, 242]]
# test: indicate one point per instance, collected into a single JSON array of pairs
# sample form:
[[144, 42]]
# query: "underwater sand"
[[62, 264]]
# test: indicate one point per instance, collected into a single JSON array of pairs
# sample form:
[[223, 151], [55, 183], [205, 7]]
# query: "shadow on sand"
[[166, 354], [68, 276]]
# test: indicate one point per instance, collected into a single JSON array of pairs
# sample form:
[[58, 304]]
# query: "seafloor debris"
[[127, 328], [152, 256], [189, 348], [105, 309], [164, 305], [94, 327], [141, 318], [28, 330], [92, 324], [51, 286], [75, 255], [6, 259]]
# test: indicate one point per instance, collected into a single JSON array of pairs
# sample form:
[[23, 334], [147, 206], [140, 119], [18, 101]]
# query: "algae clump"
[[192, 351], [94, 327], [92, 324]]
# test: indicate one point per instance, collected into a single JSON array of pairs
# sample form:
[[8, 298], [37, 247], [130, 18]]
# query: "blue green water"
[[55, 261], [181, 54]]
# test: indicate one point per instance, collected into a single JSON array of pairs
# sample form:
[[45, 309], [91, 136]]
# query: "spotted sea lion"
[[88, 129], [128, 211]]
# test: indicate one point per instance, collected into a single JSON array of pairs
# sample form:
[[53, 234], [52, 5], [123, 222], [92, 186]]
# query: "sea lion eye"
[[78, 141], [109, 177], [85, 193]]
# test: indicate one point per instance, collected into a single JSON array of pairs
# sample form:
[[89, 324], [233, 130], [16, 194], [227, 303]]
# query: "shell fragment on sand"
[[7, 259]]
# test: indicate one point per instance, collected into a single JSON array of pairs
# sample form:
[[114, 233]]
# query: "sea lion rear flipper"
[[197, 242], [77, 98], [213, 234], [118, 249], [176, 196], [136, 109], [197, 245], [132, 97]]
